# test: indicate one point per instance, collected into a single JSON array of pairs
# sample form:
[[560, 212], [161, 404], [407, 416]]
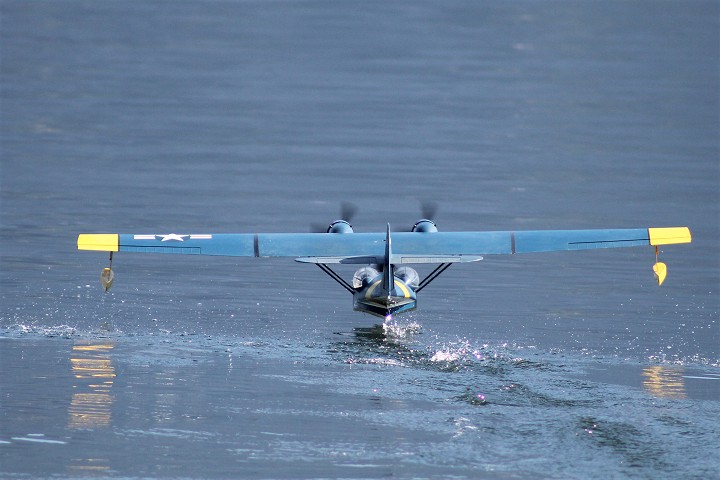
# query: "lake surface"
[[219, 117]]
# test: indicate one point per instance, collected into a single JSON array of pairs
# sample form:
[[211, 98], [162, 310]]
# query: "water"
[[264, 117]]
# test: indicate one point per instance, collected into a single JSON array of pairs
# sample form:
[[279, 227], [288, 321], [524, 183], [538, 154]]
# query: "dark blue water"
[[215, 117]]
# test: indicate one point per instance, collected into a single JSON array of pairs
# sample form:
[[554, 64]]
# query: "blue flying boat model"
[[385, 284]]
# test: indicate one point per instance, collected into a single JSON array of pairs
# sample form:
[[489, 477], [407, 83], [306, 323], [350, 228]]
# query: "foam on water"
[[38, 438]]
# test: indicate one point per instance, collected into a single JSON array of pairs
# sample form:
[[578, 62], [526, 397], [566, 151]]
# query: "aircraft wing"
[[408, 247]]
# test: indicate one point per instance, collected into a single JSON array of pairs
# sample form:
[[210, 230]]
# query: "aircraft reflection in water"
[[664, 382], [91, 404]]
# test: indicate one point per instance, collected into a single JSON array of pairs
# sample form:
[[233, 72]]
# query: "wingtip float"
[[106, 278], [666, 236], [660, 271], [387, 286]]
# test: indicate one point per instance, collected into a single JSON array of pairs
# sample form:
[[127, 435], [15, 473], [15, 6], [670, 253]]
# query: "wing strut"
[[332, 274], [433, 275]]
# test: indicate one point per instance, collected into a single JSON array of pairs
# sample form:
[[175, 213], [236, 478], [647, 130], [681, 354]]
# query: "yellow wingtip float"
[[660, 271], [104, 242], [666, 236], [106, 278]]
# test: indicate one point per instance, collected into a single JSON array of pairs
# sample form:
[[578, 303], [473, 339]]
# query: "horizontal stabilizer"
[[397, 259]]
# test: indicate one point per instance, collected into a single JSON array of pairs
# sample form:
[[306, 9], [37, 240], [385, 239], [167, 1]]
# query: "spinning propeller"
[[347, 212], [427, 223]]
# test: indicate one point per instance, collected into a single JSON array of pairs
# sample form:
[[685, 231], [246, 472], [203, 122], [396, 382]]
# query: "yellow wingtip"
[[104, 242], [668, 236]]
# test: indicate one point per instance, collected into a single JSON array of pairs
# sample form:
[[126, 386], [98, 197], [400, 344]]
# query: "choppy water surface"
[[352, 404], [208, 117]]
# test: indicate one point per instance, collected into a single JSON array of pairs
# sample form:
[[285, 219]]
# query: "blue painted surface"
[[373, 244], [547, 241]]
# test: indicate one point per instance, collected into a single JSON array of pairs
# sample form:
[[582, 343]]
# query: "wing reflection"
[[665, 382], [91, 404]]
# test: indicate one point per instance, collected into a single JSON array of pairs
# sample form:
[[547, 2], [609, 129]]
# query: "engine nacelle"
[[340, 226], [409, 276], [425, 225], [363, 277]]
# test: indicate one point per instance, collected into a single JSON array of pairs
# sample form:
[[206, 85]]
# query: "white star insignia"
[[173, 237]]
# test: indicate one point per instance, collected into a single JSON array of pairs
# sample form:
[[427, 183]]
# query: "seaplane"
[[385, 284]]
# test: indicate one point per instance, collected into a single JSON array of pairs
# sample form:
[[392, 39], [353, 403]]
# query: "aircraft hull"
[[381, 302]]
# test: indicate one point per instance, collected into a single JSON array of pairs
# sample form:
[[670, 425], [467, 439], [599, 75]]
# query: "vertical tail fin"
[[388, 274]]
